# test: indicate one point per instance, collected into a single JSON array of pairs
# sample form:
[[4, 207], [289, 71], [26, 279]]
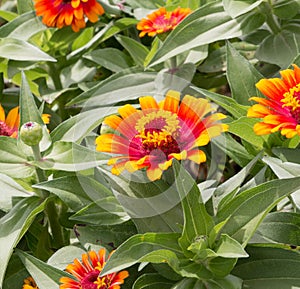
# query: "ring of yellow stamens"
[[290, 100]]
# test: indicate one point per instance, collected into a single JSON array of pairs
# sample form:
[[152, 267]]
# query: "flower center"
[[4, 129], [291, 100], [89, 281], [157, 132]]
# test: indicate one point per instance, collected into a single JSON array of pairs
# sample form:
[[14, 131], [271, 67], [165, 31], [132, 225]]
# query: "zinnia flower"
[[87, 272], [29, 283], [60, 13], [161, 21], [280, 110], [9, 125], [152, 137]]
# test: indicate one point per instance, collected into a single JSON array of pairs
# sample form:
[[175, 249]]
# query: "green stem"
[[173, 61], [295, 206], [56, 229], [270, 18], [40, 173], [55, 75]]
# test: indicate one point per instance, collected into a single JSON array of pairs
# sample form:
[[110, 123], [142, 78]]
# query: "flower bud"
[[31, 133]]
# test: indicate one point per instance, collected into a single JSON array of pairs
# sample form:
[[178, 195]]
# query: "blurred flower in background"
[[29, 283], [60, 13], [161, 21]]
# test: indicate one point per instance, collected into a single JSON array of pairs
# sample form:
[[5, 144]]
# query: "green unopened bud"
[[31, 133]]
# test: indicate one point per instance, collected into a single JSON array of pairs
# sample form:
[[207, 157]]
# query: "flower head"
[[29, 283], [9, 125], [152, 137], [87, 272], [280, 110], [161, 21], [60, 13]]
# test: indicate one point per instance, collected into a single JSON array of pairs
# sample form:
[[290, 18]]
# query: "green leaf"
[[232, 184], [280, 227], [23, 51], [22, 27], [152, 281], [14, 225], [282, 169], [44, 275], [269, 267], [247, 210], [8, 16], [230, 248], [24, 6], [243, 128], [108, 31], [197, 222], [136, 247], [206, 25], [68, 156], [111, 236], [11, 189], [286, 9], [137, 50], [13, 161], [228, 282], [228, 103], [110, 58], [30, 112], [279, 49], [237, 7], [123, 86], [74, 129], [107, 211], [242, 76]]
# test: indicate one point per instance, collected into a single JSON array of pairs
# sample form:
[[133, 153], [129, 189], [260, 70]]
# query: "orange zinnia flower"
[[87, 273], [29, 283], [280, 110], [153, 136], [60, 13], [161, 21], [9, 126]]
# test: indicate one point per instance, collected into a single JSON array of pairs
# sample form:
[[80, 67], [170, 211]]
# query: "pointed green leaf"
[[197, 222], [13, 161], [16, 49], [123, 86], [136, 247], [44, 275], [242, 76], [14, 225], [137, 50], [30, 112], [68, 156], [11, 189], [230, 248], [247, 210], [238, 7], [269, 266], [228, 103], [152, 281]]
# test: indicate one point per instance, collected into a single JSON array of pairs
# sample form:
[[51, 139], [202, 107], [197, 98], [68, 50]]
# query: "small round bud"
[[31, 133]]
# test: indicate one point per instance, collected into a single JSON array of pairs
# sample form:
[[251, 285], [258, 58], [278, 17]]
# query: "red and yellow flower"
[[280, 110], [152, 137], [29, 283], [161, 21], [9, 125], [86, 273], [60, 13]]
